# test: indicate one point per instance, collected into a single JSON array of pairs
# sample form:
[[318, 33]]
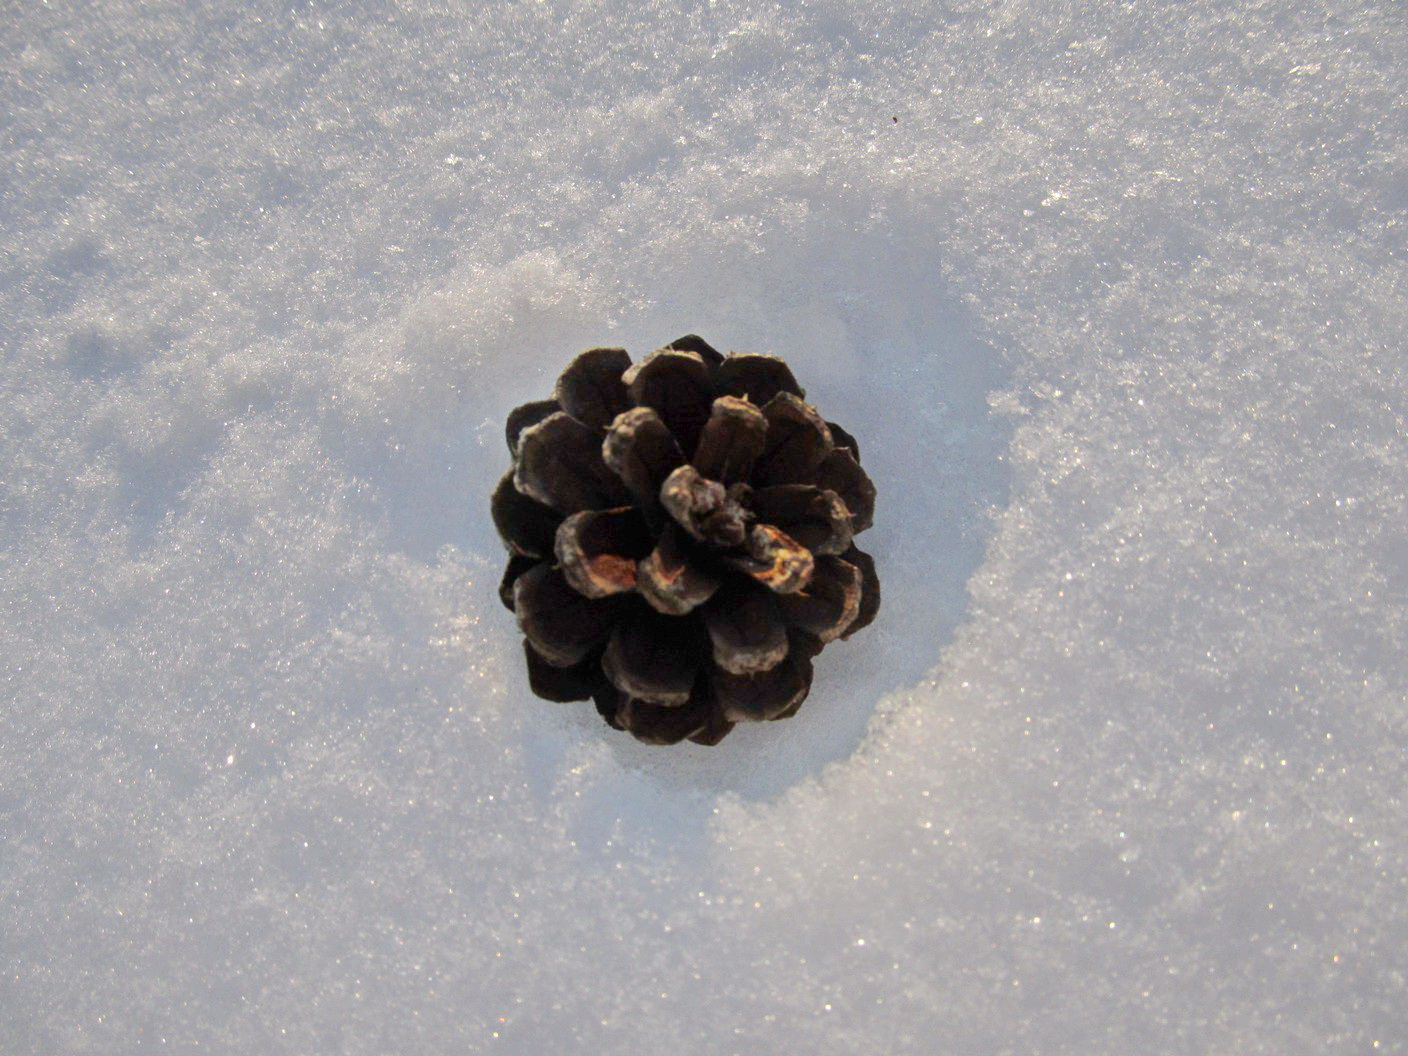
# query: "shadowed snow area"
[[1114, 298]]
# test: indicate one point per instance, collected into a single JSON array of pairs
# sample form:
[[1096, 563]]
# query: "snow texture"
[[1113, 295]]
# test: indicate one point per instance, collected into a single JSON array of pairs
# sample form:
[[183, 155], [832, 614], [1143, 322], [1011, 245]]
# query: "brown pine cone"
[[681, 539]]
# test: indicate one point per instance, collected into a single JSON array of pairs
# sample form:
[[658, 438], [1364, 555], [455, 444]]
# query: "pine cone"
[[681, 539]]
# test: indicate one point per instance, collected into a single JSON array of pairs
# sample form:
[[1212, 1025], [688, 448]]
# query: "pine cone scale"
[[756, 378], [526, 525], [843, 439], [517, 565], [591, 389], [560, 464], [817, 518], [561, 624], [829, 605], [732, 440], [775, 560], [841, 473], [670, 581], [745, 629], [767, 695], [798, 440], [521, 418], [677, 386], [711, 356], [562, 685], [642, 451], [598, 550], [652, 657], [869, 590]]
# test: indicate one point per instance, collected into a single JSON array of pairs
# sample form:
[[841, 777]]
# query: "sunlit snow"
[[1114, 296]]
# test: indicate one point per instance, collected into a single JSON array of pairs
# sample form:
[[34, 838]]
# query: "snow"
[[1113, 296]]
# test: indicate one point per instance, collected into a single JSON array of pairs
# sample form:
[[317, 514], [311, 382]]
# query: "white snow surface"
[[1113, 295]]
